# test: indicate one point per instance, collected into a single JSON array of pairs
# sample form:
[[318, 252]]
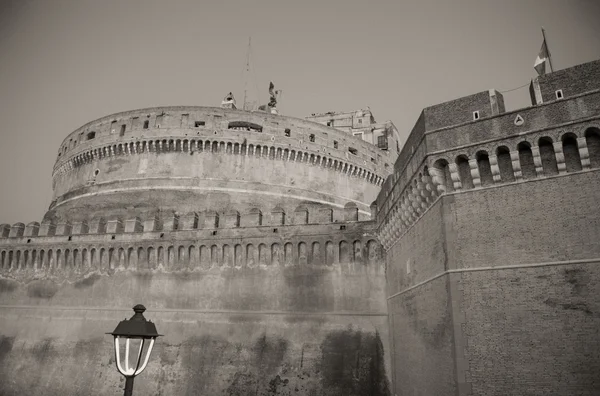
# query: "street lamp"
[[136, 328]]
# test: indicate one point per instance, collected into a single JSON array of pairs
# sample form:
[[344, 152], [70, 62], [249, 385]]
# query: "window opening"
[[559, 94], [287, 132], [335, 144], [199, 124], [91, 135], [352, 150], [311, 138], [475, 115], [244, 126], [123, 127], [146, 123]]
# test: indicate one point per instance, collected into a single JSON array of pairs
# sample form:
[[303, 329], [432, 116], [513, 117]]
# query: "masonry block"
[[16, 230], [152, 224], [98, 226], [252, 218], [189, 221], [277, 216], [32, 229], [114, 226], [133, 225], [322, 215], [170, 221], [232, 219], [80, 228], [4, 230], [63, 228], [47, 228], [211, 219], [301, 216], [351, 212]]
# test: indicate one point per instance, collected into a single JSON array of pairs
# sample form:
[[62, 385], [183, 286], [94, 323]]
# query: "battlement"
[[565, 83], [547, 140], [190, 241], [189, 221]]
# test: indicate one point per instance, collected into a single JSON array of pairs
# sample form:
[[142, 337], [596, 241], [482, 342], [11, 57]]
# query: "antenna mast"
[[246, 76]]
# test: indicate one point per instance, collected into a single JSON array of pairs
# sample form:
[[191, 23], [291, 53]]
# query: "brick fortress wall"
[[491, 233]]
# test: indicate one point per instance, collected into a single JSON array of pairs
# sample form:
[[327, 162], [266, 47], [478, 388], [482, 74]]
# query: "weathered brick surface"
[[572, 81], [540, 221], [420, 319], [458, 111], [422, 341], [512, 331], [533, 331], [423, 248]]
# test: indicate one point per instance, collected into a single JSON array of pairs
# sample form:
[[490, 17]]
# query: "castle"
[[280, 256]]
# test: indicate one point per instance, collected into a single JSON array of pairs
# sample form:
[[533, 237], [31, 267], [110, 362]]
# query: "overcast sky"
[[64, 63]]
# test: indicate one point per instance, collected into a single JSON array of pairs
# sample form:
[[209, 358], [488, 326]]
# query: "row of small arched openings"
[[549, 163], [192, 256], [257, 150]]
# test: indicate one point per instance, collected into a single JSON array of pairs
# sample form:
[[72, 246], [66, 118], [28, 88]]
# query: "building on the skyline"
[[281, 256], [362, 124]]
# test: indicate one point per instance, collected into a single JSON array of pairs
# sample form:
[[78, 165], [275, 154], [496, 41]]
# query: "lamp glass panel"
[[132, 354]]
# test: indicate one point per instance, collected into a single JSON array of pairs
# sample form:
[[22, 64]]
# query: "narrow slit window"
[[123, 127]]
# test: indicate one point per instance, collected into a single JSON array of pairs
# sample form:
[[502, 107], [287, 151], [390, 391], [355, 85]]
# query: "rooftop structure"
[[362, 124]]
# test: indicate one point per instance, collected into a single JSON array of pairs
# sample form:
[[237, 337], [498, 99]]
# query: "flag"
[[540, 61]]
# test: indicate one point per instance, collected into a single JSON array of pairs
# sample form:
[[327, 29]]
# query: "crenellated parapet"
[[172, 221], [188, 242], [500, 149]]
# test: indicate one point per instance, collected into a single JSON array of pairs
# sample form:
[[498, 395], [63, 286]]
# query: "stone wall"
[[297, 309], [193, 158]]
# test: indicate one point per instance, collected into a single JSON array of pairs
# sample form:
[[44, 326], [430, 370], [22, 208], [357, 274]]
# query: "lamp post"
[[136, 328]]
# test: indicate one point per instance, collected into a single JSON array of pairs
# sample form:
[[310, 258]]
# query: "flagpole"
[[548, 50]]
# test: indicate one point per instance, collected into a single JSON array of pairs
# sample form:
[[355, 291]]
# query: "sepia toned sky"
[[66, 62]]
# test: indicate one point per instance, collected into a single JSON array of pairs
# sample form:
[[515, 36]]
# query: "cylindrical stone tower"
[[184, 159]]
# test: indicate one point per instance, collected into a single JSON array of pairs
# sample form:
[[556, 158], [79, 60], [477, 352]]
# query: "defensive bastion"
[[248, 237], [183, 158]]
